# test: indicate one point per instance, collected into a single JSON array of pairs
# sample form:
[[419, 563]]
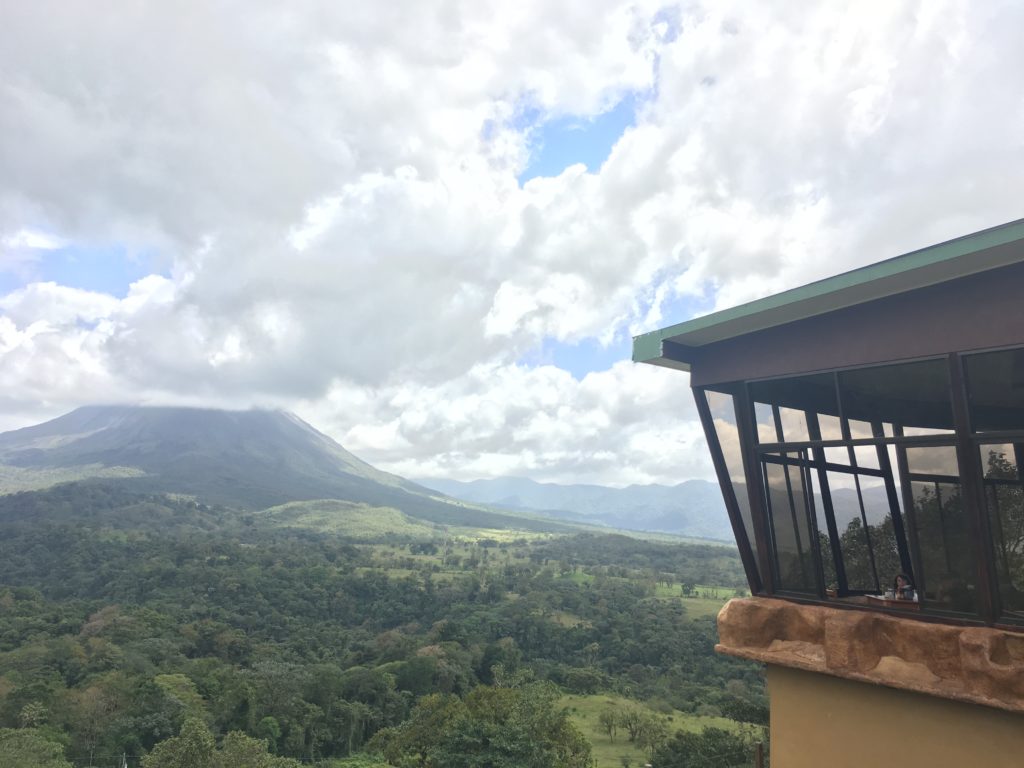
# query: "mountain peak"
[[247, 450], [253, 459]]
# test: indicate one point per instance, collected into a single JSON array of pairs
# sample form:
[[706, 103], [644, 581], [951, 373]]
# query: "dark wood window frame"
[[760, 558]]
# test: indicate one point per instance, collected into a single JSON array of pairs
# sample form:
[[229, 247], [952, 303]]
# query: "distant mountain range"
[[256, 460], [693, 508]]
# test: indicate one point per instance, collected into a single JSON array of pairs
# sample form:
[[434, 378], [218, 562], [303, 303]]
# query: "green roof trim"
[[935, 264]]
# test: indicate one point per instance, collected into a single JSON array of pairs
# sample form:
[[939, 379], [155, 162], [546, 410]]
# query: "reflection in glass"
[[794, 425], [837, 455], [801, 393], [860, 430], [853, 539], [891, 453], [995, 384], [908, 394], [866, 456], [830, 426], [793, 397], [766, 431], [946, 553], [939, 461], [789, 514], [876, 510], [828, 562], [923, 432], [1004, 497], [723, 413]]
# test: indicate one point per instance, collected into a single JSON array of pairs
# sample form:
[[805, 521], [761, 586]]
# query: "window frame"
[[762, 553]]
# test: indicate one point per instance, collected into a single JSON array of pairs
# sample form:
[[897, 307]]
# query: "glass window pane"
[[945, 549], [797, 395], [723, 413], [995, 385], [830, 427], [1004, 498], [766, 431], [794, 426], [852, 539], [837, 455], [913, 395], [866, 456], [788, 513], [923, 431], [893, 452], [882, 533], [860, 430], [828, 562], [935, 463]]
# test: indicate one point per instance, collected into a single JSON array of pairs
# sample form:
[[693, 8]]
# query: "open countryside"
[[139, 623]]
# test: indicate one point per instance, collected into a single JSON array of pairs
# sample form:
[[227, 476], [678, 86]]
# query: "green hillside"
[[247, 460], [348, 519]]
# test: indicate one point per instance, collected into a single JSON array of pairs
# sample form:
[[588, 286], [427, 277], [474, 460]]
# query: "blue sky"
[[588, 355], [568, 140], [804, 154], [106, 269], [556, 145]]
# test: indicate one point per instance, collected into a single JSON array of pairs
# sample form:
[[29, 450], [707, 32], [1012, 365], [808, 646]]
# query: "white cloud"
[[628, 424], [334, 193]]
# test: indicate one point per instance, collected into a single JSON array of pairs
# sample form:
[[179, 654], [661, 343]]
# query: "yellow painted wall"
[[818, 721]]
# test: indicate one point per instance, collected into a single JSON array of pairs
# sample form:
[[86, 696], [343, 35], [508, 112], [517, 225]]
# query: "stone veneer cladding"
[[979, 665]]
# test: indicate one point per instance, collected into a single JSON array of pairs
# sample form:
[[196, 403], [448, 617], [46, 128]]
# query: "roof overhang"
[[674, 346]]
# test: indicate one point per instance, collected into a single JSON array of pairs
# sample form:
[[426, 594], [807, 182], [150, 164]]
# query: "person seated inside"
[[902, 587]]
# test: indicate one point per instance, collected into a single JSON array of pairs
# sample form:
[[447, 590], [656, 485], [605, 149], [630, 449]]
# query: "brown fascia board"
[[978, 252]]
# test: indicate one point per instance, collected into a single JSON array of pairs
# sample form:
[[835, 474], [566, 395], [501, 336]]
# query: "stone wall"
[[979, 665]]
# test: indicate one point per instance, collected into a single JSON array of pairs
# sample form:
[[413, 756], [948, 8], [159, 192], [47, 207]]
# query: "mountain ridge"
[[691, 508], [249, 460]]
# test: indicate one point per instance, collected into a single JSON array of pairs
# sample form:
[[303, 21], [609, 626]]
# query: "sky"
[[431, 228]]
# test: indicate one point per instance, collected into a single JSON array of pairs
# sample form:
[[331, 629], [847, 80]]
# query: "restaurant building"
[[864, 427]]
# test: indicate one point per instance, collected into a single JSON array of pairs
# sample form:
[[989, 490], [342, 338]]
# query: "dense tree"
[[710, 748], [30, 748], [122, 618], [518, 727], [194, 747]]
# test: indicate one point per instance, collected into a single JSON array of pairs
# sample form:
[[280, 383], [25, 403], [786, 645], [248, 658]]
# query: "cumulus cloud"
[[610, 427], [334, 194]]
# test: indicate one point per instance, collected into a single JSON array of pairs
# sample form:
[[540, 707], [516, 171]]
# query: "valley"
[[138, 623]]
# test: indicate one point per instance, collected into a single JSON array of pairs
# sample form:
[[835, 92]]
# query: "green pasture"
[[367, 522], [568, 620], [705, 600], [16, 479], [584, 711], [346, 518]]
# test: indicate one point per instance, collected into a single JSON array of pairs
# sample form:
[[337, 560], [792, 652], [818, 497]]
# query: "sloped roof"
[[967, 255]]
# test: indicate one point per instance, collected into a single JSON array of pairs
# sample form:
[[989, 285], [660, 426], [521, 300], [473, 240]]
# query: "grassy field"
[[566, 619], [584, 711], [15, 479], [345, 518], [706, 600], [363, 521], [704, 591]]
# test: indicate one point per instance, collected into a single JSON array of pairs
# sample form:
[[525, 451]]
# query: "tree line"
[[147, 625]]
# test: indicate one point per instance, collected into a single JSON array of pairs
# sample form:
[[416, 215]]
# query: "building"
[[864, 426]]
